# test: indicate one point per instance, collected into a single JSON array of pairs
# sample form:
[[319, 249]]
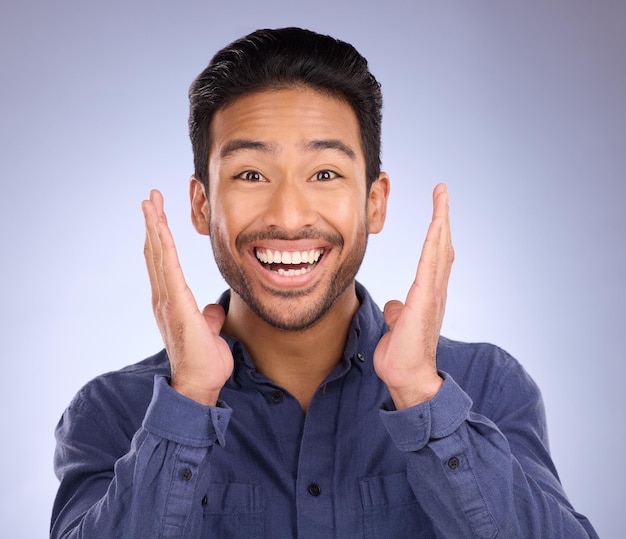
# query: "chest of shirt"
[[333, 472]]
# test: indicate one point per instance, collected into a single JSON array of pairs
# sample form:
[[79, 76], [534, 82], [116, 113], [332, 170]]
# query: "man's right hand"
[[200, 358]]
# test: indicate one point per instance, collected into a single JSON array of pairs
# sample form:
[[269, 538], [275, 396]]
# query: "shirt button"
[[314, 489], [453, 463], [360, 357], [186, 474], [277, 396], [204, 500]]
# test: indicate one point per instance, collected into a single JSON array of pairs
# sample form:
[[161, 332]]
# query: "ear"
[[200, 213], [377, 203]]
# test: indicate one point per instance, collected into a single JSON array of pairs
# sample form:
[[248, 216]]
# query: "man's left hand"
[[405, 358]]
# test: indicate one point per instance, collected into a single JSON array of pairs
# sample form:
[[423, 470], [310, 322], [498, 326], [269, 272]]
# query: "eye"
[[250, 176], [325, 175]]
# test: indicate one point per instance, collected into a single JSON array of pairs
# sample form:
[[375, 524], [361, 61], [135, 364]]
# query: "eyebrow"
[[237, 145], [330, 144]]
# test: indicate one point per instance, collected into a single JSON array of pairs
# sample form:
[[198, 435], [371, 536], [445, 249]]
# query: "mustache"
[[279, 234]]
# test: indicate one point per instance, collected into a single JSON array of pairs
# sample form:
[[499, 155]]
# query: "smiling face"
[[288, 211]]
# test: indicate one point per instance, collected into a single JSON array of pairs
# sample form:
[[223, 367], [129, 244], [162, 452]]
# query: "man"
[[294, 407]]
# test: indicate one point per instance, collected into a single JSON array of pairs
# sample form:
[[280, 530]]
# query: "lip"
[[274, 279], [290, 245]]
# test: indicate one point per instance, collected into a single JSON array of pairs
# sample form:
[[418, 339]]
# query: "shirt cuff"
[[411, 429], [175, 417]]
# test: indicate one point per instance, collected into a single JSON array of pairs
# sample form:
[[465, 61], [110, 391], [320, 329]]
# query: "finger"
[[157, 199], [391, 312], [171, 271], [152, 249], [427, 265], [432, 270], [156, 237], [445, 254], [440, 201], [159, 253], [154, 286], [214, 315], [168, 271]]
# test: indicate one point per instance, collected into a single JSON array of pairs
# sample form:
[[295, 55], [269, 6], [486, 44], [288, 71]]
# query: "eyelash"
[[333, 175], [245, 175]]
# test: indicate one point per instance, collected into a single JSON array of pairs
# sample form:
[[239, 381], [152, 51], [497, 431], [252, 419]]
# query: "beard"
[[293, 310]]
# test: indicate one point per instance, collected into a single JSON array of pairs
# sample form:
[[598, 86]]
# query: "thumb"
[[391, 312], [214, 315]]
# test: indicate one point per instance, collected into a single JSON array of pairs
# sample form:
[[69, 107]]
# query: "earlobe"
[[377, 203], [200, 213]]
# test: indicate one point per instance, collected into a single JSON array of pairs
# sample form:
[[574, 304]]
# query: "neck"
[[298, 361]]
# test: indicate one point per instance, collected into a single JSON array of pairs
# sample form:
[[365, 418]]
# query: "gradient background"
[[519, 106]]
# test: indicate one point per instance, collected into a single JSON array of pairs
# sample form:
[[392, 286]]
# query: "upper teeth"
[[267, 256]]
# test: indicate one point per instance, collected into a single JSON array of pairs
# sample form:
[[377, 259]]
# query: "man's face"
[[288, 211]]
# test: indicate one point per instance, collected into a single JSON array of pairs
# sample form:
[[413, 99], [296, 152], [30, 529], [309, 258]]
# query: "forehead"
[[285, 118]]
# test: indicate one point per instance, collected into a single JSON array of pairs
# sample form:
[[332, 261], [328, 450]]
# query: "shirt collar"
[[365, 331]]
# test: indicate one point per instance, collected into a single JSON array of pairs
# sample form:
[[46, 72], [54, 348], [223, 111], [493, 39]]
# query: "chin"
[[293, 312]]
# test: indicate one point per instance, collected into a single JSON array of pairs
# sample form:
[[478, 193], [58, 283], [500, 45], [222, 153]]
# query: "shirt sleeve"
[[476, 478], [155, 488]]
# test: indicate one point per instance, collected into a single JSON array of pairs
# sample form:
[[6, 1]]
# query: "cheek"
[[231, 215], [347, 214], [223, 220]]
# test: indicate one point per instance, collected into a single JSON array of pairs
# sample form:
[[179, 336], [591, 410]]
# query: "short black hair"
[[283, 58]]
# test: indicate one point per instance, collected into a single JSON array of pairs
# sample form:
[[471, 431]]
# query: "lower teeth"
[[293, 272]]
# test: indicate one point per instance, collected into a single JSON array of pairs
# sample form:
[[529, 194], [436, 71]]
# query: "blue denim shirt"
[[138, 460]]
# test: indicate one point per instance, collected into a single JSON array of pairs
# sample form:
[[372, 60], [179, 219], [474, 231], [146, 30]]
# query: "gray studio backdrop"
[[518, 106]]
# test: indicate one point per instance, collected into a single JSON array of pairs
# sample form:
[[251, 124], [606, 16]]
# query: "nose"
[[291, 206]]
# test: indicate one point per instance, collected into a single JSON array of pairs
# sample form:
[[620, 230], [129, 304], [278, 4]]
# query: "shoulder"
[[493, 378], [125, 392]]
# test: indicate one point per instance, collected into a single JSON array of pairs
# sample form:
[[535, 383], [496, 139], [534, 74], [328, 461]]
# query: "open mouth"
[[289, 263]]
